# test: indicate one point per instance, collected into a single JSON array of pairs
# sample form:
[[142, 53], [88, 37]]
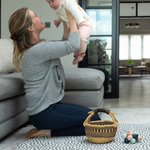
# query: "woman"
[[43, 74]]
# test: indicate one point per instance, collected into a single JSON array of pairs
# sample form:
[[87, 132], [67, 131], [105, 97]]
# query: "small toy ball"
[[129, 137], [135, 133], [126, 140], [133, 141], [130, 132], [139, 138], [124, 135], [135, 136]]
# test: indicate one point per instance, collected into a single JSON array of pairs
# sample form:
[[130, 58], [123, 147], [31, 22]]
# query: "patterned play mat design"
[[82, 143]]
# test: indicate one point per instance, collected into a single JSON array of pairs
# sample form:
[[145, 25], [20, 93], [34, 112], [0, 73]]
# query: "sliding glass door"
[[102, 45]]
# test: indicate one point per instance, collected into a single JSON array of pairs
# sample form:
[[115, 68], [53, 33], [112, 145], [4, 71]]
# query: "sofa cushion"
[[6, 56], [13, 123], [11, 107], [85, 98], [11, 85], [83, 79]]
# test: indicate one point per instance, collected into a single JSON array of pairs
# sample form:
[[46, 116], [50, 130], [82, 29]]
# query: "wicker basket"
[[101, 131]]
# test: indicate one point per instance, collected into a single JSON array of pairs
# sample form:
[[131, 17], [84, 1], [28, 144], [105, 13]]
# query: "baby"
[[83, 23]]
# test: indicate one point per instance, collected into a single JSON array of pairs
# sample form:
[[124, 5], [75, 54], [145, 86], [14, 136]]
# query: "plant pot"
[[129, 65]]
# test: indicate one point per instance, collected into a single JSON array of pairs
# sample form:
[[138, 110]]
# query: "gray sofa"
[[83, 86], [12, 103]]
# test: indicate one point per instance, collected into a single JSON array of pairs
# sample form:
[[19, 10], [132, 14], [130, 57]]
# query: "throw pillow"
[[6, 56], [143, 63]]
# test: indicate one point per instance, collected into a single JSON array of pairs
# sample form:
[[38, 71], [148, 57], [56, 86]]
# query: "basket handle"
[[111, 113], [101, 110]]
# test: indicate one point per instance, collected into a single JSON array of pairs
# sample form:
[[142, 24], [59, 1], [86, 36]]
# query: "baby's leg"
[[85, 30]]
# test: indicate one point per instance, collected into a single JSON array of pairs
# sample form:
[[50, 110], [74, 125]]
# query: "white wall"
[[40, 7]]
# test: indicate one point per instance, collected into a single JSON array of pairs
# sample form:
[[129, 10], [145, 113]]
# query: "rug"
[[124, 115], [82, 143]]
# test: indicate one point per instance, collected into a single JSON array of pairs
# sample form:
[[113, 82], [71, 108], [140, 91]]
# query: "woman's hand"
[[72, 22]]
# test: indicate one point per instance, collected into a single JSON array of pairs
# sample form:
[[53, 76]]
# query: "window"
[[146, 46], [101, 21], [134, 47], [124, 47]]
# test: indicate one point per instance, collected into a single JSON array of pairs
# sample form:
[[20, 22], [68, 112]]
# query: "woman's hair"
[[18, 28]]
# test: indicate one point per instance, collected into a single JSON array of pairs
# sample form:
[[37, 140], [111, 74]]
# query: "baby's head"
[[54, 4]]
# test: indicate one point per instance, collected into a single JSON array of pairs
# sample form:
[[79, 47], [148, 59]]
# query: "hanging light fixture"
[[132, 25]]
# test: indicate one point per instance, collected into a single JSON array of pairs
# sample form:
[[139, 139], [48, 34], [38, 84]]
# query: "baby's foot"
[[38, 133], [78, 58]]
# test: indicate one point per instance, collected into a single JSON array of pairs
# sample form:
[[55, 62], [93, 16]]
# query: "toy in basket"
[[101, 131]]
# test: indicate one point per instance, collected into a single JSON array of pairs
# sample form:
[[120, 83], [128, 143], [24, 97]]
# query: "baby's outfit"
[[83, 24]]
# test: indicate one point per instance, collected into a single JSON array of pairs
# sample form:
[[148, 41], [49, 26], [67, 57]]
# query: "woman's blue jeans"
[[63, 119]]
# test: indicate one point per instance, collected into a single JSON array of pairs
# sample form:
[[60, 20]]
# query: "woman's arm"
[[49, 50], [52, 50], [72, 22], [66, 31]]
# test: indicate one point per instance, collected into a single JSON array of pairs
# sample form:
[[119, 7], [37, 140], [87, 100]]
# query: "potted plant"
[[129, 62]]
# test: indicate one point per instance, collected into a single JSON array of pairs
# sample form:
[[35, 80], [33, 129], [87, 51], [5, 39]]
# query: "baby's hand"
[[56, 22]]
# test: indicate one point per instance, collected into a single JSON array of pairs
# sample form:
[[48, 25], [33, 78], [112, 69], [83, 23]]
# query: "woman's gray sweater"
[[43, 72]]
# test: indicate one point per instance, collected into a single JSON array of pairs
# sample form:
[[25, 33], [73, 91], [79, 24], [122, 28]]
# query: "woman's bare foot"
[[38, 133]]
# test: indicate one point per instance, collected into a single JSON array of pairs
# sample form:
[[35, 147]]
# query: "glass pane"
[[99, 50], [135, 51], [146, 46], [98, 2], [145, 7], [101, 21], [124, 47], [107, 56], [107, 69]]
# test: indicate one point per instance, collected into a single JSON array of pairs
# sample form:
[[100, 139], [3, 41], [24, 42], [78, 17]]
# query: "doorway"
[[102, 46], [134, 38]]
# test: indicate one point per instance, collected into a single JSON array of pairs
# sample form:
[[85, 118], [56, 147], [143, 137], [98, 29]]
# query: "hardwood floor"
[[134, 92]]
